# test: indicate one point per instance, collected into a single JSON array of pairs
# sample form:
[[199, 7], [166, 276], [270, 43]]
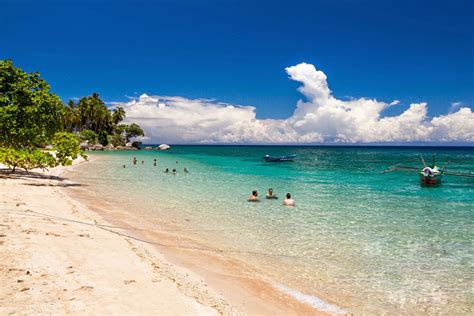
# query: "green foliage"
[[66, 149], [89, 135], [10, 157], [29, 113], [103, 140], [129, 131], [27, 158], [118, 115], [116, 140], [31, 117], [66, 146], [134, 130], [91, 114]]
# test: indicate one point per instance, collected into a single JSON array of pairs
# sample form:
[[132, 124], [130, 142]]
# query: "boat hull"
[[430, 180], [279, 159]]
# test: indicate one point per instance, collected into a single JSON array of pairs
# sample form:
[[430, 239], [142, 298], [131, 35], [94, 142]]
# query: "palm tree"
[[118, 115]]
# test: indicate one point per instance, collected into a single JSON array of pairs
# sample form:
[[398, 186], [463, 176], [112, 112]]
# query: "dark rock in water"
[[137, 145]]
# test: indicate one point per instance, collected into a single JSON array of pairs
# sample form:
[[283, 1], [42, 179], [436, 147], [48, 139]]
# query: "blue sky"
[[236, 51]]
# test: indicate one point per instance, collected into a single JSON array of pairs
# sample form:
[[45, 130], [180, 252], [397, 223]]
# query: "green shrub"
[[89, 135], [103, 138], [67, 148], [27, 158], [116, 140]]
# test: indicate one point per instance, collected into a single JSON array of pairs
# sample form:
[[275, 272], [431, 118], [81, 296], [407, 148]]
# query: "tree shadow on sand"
[[23, 175]]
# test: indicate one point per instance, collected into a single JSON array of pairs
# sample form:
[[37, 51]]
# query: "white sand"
[[53, 259]]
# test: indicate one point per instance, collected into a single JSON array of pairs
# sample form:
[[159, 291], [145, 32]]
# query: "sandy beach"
[[59, 256], [55, 258]]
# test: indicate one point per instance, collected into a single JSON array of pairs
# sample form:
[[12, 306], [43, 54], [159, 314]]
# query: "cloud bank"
[[319, 118]]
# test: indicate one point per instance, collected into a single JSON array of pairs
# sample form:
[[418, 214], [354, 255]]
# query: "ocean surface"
[[372, 243]]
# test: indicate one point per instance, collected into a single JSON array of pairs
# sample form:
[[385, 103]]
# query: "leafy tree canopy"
[[65, 146], [29, 113], [89, 135], [129, 131]]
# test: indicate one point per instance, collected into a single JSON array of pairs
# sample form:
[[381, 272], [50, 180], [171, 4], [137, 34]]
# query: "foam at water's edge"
[[314, 301]]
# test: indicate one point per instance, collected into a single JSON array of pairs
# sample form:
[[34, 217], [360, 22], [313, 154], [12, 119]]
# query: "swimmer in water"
[[167, 170], [174, 171], [289, 201], [143, 162], [270, 194], [186, 170], [124, 166], [253, 197]]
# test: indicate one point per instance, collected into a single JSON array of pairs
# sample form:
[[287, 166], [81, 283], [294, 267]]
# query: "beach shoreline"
[[59, 257], [48, 261]]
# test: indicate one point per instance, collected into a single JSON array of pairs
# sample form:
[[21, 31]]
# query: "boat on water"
[[429, 175], [269, 158]]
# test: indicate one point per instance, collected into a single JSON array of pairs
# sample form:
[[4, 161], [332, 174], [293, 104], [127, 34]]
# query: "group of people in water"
[[167, 170], [288, 201]]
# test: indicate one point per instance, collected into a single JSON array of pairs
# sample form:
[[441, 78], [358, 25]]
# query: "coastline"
[[59, 257], [114, 262]]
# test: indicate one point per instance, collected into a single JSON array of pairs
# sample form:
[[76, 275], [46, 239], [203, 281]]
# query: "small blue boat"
[[269, 158]]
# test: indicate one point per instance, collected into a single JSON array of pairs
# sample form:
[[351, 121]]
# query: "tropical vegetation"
[[96, 123], [33, 118]]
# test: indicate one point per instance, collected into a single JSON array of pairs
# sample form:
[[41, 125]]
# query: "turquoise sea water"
[[372, 243]]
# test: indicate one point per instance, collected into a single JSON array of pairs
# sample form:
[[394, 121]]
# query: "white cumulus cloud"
[[319, 118]]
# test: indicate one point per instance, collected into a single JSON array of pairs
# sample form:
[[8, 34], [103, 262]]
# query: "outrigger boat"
[[268, 158], [429, 175]]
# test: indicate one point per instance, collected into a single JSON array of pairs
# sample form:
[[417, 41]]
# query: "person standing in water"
[[270, 194], [186, 170], [253, 197], [288, 201], [134, 160], [154, 162], [167, 170]]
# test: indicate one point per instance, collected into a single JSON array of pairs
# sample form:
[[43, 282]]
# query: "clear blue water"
[[371, 243]]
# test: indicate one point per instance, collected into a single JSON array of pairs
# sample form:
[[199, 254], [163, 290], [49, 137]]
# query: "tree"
[[118, 115], [116, 140], [129, 131], [102, 138], [29, 113], [93, 114], [66, 147], [89, 136], [70, 119], [134, 130]]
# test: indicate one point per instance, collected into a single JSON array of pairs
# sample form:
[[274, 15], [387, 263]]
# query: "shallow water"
[[371, 243]]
